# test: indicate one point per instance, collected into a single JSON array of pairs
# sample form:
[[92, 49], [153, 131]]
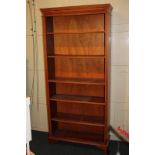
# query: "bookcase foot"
[[104, 148]]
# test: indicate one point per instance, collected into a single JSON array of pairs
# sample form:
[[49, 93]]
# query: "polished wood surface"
[[75, 32], [77, 10], [79, 24], [71, 37], [71, 67], [74, 56], [78, 119], [88, 109], [82, 68], [87, 43], [95, 81], [83, 128], [78, 99], [77, 57], [81, 90], [72, 136]]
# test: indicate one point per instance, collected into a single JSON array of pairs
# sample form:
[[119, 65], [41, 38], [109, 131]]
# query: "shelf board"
[[75, 56], [80, 137], [78, 99], [96, 81], [79, 119], [75, 32]]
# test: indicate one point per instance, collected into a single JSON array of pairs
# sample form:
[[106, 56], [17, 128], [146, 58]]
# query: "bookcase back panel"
[[80, 68], [79, 44], [76, 23], [82, 90], [81, 128], [75, 108]]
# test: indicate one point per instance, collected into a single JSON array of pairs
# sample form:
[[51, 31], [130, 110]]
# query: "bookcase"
[[77, 70]]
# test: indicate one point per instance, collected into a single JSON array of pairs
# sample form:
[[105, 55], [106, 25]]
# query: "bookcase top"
[[77, 10]]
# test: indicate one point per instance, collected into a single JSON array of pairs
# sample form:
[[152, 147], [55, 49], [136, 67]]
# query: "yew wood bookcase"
[[77, 69]]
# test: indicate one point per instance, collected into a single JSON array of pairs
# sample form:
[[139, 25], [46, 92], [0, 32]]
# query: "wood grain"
[[80, 128], [90, 81], [77, 10], [78, 24], [81, 90], [78, 119], [81, 68], [75, 108], [77, 57], [79, 44]]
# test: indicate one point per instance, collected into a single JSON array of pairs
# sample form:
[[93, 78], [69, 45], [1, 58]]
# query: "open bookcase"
[[76, 54]]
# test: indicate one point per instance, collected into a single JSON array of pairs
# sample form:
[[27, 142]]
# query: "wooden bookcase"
[[77, 63]]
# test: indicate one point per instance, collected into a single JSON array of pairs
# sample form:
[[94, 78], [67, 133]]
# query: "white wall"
[[119, 76]]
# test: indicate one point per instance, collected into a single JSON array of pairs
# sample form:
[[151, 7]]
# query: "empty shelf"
[[79, 119], [73, 136], [74, 56], [75, 32], [78, 81], [78, 99]]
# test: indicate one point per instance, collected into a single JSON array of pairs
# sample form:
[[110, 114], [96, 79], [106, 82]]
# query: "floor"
[[40, 146]]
